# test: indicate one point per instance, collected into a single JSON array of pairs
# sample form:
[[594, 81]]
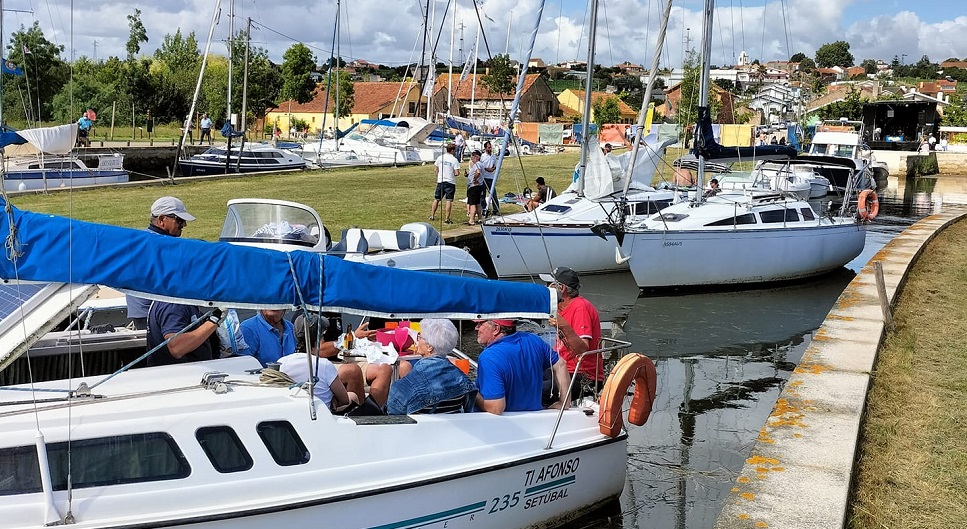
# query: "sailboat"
[[206, 444], [243, 158], [736, 237], [607, 188]]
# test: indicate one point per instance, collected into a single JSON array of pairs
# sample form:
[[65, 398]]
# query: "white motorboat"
[[247, 158], [845, 139], [389, 141], [739, 237], [284, 225], [793, 176], [559, 231], [209, 444]]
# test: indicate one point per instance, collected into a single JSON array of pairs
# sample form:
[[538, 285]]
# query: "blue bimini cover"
[[56, 249]]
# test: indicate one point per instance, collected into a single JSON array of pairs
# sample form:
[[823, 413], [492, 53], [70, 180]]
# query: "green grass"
[[382, 198], [913, 455]]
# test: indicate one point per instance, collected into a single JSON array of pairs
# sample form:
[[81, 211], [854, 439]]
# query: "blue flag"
[[10, 67]]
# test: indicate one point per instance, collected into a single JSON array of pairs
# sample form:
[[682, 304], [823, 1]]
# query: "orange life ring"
[[639, 368], [867, 206]]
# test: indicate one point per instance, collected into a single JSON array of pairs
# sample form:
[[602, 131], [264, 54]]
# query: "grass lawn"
[[912, 471], [383, 198]]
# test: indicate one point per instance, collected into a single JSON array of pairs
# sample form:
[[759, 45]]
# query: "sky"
[[390, 31]]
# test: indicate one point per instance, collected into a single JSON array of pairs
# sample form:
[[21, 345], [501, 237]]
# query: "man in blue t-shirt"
[[510, 370], [269, 336]]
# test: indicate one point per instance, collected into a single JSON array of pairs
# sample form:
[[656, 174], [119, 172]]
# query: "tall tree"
[[500, 78], [798, 57], [834, 54], [30, 98], [264, 78], [297, 65], [869, 65], [136, 34]]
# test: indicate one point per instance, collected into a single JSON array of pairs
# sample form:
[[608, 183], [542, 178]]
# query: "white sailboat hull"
[[524, 250], [473, 470], [671, 258]]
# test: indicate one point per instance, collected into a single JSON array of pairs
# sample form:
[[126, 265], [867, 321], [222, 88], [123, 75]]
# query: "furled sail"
[[226, 275]]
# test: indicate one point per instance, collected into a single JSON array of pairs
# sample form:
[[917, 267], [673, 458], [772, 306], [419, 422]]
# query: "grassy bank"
[[913, 455], [382, 198]]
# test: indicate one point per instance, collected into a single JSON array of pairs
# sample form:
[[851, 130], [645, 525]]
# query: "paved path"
[[798, 474]]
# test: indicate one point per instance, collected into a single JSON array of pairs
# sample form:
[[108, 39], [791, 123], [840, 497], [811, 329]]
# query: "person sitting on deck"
[[434, 378], [544, 193], [353, 374], [328, 387], [510, 370], [713, 188]]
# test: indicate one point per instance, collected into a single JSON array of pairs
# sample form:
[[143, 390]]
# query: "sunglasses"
[[178, 220]]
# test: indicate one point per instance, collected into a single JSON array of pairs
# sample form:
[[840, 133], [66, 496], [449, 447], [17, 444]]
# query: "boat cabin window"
[[283, 443], [745, 218], [266, 222], [224, 449], [648, 207], [779, 215], [97, 462], [807, 214], [846, 151]]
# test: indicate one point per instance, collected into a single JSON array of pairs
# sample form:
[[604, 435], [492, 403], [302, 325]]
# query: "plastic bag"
[[230, 335], [376, 353]]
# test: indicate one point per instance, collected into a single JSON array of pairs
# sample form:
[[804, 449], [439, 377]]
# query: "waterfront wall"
[[799, 471]]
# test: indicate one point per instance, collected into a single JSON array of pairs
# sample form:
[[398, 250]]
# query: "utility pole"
[[95, 50]]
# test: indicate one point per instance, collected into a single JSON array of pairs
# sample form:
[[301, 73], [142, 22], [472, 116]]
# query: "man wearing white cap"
[[168, 217]]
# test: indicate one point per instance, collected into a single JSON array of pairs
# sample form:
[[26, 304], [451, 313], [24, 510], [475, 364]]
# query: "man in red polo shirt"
[[578, 329]]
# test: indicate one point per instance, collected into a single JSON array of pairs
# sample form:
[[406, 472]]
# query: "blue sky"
[[389, 31]]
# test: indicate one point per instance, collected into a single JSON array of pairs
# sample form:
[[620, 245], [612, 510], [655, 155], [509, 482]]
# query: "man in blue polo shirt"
[[510, 370], [269, 336]]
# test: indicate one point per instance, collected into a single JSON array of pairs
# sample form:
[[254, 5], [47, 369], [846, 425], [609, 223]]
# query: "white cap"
[[170, 206]]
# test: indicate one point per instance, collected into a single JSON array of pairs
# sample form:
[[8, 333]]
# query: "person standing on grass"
[[447, 169], [489, 161], [475, 187]]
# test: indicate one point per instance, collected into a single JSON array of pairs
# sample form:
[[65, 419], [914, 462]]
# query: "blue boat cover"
[[56, 249], [711, 150], [9, 136]]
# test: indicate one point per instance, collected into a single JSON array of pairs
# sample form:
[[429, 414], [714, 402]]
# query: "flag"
[[428, 89], [27, 50], [11, 68], [470, 62]]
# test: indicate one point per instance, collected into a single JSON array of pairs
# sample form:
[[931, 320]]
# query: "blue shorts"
[[445, 190]]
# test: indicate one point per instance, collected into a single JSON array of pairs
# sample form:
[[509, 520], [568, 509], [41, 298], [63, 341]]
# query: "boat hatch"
[[556, 208], [28, 311], [672, 217]]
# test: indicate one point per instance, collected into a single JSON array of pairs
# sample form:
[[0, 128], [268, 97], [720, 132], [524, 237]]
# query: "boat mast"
[[335, 65], [703, 87], [652, 74], [241, 145], [588, 84], [453, 33], [228, 100]]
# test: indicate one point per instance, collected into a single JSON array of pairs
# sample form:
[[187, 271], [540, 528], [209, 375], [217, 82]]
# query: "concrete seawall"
[[900, 162], [799, 472]]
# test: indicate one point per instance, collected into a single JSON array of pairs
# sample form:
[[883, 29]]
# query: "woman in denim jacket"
[[434, 378]]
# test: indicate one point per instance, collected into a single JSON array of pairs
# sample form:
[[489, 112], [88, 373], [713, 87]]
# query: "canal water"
[[722, 361]]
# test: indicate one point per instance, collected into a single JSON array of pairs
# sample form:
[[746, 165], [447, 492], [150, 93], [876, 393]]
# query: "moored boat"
[[250, 158]]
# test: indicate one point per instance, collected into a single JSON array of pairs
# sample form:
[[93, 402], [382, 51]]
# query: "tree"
[[606, 110], [869, 65], [807, 65], [137, 34], [955, 114], [347, 94], [46, 73], [851, 107], [727, 84], [297, 65], [797, 57], [834, 54], [500, 80]]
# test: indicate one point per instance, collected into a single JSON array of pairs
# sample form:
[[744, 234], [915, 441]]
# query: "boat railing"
[[609, 345]]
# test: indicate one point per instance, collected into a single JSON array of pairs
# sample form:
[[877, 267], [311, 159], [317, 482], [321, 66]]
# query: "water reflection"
[[722, 360]]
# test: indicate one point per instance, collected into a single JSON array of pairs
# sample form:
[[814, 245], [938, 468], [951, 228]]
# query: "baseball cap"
[[502, 323], [564, 276], [170, 206]]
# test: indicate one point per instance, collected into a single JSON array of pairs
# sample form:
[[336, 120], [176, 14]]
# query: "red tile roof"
[[462, 90], [368, 98]]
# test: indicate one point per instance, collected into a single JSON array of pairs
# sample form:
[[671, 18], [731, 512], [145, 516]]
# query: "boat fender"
[[868, 206], [639, 368]]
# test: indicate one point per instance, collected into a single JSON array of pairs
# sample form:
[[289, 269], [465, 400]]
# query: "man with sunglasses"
[[168, 217]]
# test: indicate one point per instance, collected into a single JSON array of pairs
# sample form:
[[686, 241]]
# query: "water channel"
[[722, 361]]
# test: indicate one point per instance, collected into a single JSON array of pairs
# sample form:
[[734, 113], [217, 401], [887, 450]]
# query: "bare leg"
[[379, 378], [449, 207], [351, 376], [436, 202]]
